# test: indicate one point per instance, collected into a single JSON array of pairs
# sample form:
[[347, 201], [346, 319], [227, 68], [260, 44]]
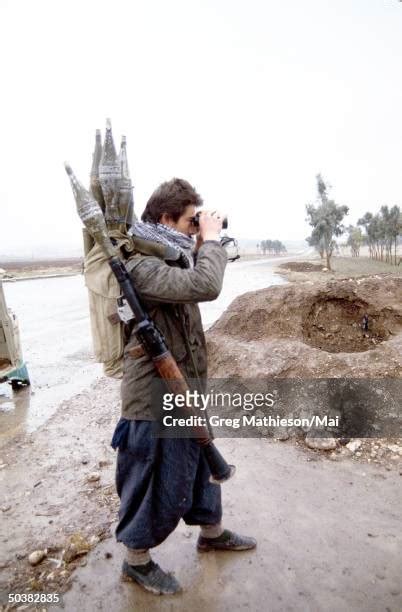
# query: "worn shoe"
[[152, 578], [226, 541]]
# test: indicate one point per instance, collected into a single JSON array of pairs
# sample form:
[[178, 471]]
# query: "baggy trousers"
[[159, 481]]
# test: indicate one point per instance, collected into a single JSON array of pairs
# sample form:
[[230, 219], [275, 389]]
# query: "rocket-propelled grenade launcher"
[[126, 200], [149, 336], [110, 181], [96, 188]]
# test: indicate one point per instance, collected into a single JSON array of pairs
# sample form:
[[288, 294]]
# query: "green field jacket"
[[170, 294]]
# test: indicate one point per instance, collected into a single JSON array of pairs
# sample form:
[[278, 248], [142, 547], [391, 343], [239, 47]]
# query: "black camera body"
[[196, 221]]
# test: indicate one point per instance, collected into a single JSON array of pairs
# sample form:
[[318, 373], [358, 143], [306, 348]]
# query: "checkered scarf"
[[164, 234]]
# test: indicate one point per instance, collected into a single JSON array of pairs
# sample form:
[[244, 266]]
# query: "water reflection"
[[14, 406]]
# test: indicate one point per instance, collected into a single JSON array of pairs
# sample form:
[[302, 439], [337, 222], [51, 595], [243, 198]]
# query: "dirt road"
[[328, 531], [319, 547]]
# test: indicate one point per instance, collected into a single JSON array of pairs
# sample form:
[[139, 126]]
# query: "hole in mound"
[[345, 325]]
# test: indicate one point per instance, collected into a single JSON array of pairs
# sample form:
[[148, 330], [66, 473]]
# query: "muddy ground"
[[327, 522], [46, 496], [316, 516]]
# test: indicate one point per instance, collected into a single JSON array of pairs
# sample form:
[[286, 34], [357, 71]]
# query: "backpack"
[[108, 330]]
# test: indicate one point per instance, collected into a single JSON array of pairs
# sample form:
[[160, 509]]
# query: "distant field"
[[342, 267], [44, 267], [363, 265], [35, 264]]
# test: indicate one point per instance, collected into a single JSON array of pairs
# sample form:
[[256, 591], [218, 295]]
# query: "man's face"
[[183, 224]]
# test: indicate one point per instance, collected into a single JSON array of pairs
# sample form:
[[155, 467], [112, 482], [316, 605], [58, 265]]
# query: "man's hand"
[[210, 226]]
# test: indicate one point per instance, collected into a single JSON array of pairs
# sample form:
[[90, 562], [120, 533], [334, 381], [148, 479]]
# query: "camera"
[[196, 221]]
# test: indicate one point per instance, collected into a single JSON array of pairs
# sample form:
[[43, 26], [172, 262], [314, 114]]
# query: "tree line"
[[382, 230], [271, 246]]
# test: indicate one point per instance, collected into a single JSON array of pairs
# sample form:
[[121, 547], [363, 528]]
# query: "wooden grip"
[[170, 372]]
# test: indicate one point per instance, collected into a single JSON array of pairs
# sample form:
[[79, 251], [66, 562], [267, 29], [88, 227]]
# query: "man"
[[160, 481]]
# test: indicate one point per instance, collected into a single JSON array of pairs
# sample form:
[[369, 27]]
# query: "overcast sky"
[[248, 100]]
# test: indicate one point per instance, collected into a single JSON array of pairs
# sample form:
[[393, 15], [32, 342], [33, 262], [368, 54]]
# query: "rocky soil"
[[308, 331]]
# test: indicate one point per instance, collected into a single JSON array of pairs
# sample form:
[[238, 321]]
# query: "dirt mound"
[[302, 266], [349, 328]]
